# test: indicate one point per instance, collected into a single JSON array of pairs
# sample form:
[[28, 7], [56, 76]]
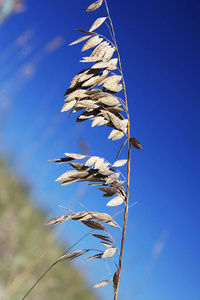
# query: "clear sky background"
[[159, 45]]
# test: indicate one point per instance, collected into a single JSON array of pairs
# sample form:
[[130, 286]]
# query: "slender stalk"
[[36, 283], [129, 158]]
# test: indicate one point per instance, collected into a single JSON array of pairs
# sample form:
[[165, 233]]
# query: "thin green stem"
[[54, 265], [129, 158]]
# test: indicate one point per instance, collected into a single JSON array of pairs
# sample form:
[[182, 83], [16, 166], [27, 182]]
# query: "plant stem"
[[129, 159], [53, 266]]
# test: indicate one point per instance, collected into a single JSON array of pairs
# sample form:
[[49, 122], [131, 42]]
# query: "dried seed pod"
[[90, 59], [78, 94], [78, 216], [108, 99], [73, 175], [102, 237], [98, 163], [115, 280], [97, 23], [102, 217], [92, 42], [96, 184], [68, 105], [112, 224], [108, 191], [112, 178], [104, 166], [87, 104], [100, 65], [85, 218], [79, 40], [69, 256], [86, 32], [135, 143], [67, 182], [116, 201], [62, 160], [94, 256], [116, 121], [103, 51], [97, 121], [91, 81], [117, 184], [85, 115], [106, 172], [67, 175], [109, 53], [85, 77], [94, 225], [61, 219], [91, 161], [102, 283], [120, 163], [115, 109], [101, 79], [109, 252], [103, 122], [113, 79], [107, 245], [116, 135], [112, 64], [113, 87], [94, 5], [79, 167], [76, 156], [98, 49]]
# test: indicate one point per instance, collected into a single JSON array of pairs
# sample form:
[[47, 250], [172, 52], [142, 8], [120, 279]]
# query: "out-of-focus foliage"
[[28, 248]]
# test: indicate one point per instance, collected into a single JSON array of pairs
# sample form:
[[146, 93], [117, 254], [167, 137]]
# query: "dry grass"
[[93, 95]]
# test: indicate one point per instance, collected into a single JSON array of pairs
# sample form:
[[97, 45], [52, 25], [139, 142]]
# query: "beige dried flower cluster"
[[92, 93], [99, 104], [106, 177]]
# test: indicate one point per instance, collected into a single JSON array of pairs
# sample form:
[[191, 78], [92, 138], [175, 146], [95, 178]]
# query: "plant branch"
[[105, 38], [53, 266], [129, 158]]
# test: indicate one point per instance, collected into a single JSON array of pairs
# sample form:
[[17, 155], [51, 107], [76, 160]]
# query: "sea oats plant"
[[93, 94]]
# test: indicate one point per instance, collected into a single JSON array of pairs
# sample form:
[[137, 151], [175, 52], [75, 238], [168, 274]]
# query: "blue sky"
[[159, 46]]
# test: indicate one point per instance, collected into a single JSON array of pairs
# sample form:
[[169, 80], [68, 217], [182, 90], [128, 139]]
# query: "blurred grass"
[[28, 248]]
